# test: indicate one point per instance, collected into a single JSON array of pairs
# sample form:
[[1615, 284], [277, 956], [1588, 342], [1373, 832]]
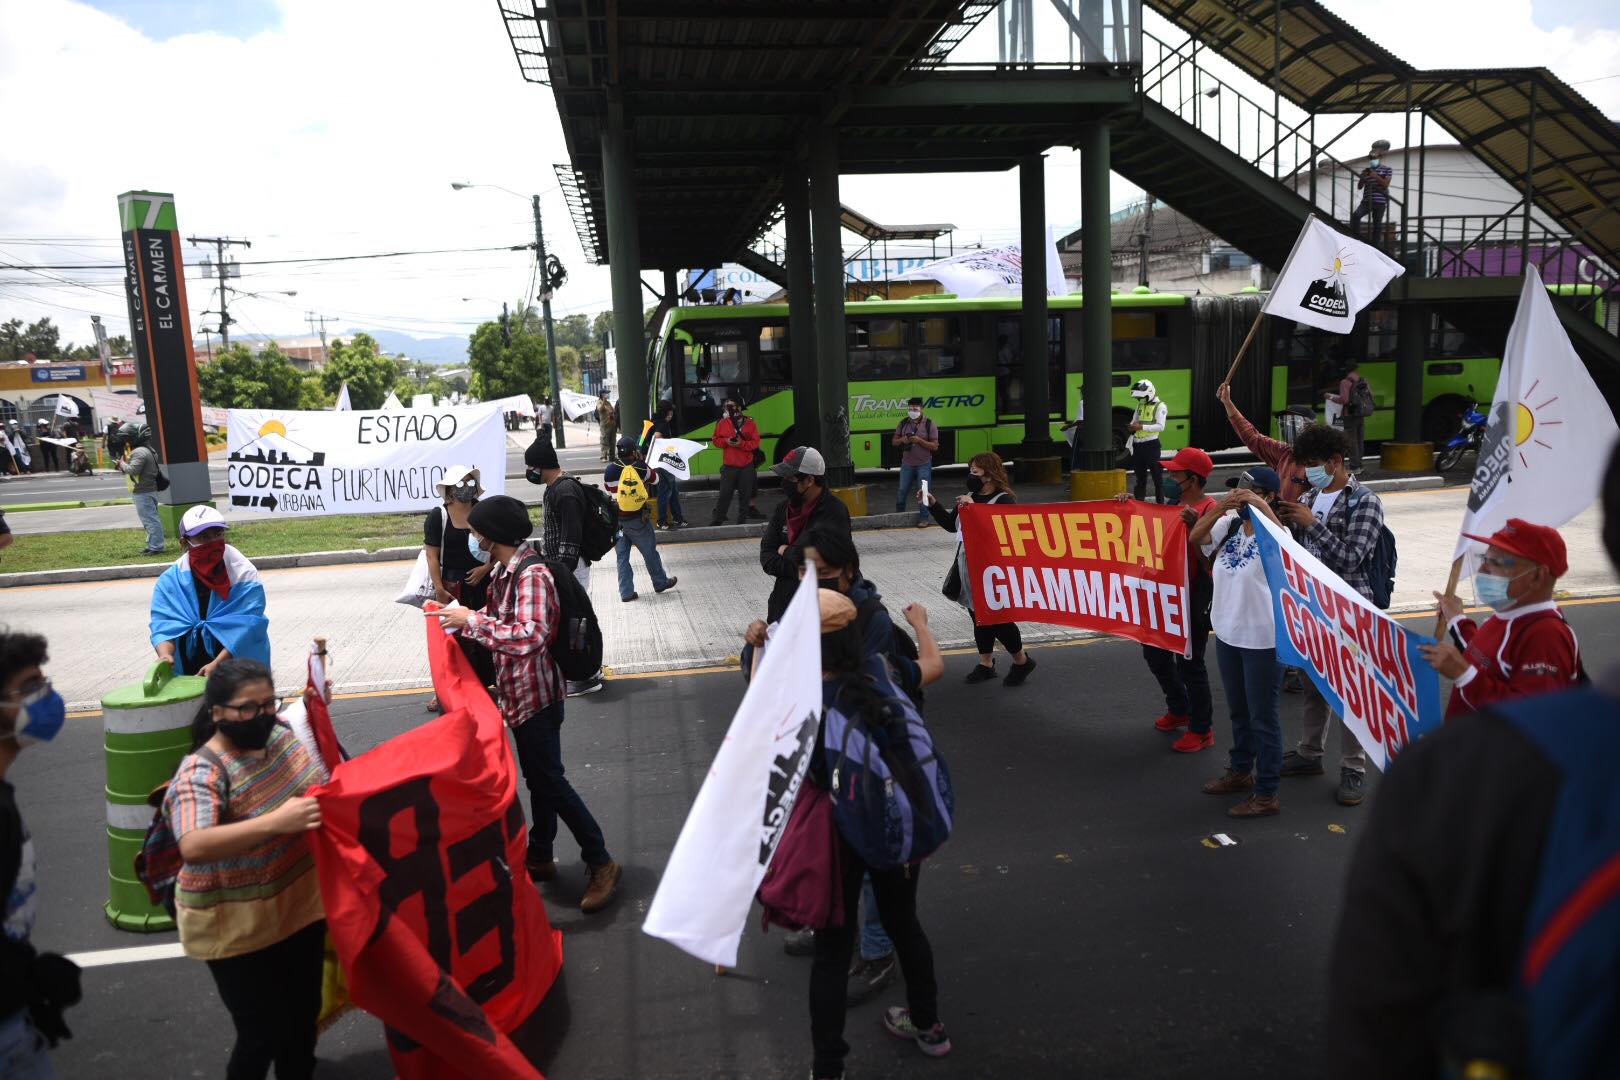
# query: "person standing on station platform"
[[1526, 646], [1143, 443], [737, 438], [1374, 184], [918, 438]]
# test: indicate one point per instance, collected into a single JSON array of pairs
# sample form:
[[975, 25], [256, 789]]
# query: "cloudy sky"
[[333, 127]]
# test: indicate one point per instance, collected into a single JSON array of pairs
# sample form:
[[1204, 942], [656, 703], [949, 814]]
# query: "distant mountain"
[[431, 350]]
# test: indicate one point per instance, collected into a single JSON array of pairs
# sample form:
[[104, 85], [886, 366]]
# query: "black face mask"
[[790, 488], [975, 484], [533, 476], [251, 734], [830, 583]]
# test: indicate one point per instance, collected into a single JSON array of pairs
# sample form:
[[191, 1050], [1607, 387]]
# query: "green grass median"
[[293, 536]]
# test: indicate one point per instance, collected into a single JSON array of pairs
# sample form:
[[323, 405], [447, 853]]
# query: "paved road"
[[1081, 927]]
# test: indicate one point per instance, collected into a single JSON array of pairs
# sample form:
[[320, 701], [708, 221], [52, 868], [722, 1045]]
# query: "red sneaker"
[[1191, 742], [1170, 721]]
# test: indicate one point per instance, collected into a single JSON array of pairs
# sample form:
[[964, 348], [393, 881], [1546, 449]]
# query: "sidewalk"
[[98, 629]]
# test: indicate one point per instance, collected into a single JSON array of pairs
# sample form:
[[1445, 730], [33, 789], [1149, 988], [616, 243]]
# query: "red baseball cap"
[[1538, 543], [1193, 460]]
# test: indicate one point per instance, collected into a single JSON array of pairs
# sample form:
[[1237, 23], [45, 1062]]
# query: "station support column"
[[1037, 461], [624, 261], [801, 306], [1095, 475], [832, 358], [1408, 452]]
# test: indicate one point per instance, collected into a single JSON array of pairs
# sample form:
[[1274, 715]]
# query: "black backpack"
[[1381, 563], [1361, 401], [577, 644], [900, 645], [600, 528]]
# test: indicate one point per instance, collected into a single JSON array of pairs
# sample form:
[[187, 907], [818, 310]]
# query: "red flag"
[[320, 717], [1118, 567], [419, 838]]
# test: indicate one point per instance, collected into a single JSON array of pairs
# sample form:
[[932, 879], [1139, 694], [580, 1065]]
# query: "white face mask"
[[915, 414], [1373, 163]]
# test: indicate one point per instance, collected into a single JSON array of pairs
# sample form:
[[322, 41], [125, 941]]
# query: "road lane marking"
[[134, 955]]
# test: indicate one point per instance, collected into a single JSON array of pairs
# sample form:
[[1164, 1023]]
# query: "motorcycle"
[[1468, 437]]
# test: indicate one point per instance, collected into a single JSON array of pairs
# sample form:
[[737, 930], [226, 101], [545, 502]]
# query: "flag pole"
[[1238, 359], [1451, 590]]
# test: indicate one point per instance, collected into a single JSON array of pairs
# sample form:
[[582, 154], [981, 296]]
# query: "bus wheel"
[[1442, 418], [1121, 418], [786, 445]]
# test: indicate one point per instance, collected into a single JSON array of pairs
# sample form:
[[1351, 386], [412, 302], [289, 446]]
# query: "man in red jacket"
[[737, 436], [1525, 647]]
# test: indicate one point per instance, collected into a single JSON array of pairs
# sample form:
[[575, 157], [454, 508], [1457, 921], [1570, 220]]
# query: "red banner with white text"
[[421, 853], [1116, 567]]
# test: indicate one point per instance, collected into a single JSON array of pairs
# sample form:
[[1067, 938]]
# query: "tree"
[[11, 340], [236, 379], [71, 351], [501, 369], [602, 330], [361, 364], [569, 367], [119, 345], [41, 338], [311, 394]]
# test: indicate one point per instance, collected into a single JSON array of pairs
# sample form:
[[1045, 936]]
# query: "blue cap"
[[1262, 477]]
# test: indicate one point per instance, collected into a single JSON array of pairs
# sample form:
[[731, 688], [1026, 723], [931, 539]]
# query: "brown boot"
[[542, 871], [1230, 783], [1256, 806], [603, 887]]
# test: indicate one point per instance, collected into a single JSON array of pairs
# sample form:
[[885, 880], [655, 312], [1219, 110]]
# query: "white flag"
[[65, 406], [1329, 278], [1550, 428], [343, 400], [673, 456], [575, 405], [391, 403], [740, 812]]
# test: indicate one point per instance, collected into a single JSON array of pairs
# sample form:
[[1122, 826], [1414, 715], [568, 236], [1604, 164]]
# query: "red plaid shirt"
[[517, 625]]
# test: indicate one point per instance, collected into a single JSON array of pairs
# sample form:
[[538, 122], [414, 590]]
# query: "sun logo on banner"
[[1326, 295], [1531, 419], [1342, 262]]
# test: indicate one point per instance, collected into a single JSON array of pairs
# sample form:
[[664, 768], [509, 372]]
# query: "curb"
[[23, 508], [1406, 483]]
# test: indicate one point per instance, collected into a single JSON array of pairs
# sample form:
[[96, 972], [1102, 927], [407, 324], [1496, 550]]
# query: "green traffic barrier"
[[147, 730]]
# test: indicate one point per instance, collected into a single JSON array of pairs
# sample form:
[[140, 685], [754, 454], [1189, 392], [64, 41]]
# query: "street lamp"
[[559, 432], [267, 292]]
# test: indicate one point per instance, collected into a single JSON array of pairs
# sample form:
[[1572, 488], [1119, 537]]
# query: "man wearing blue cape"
[[209, 605]]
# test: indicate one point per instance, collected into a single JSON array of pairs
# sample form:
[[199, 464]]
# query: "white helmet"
[[1144, 389]]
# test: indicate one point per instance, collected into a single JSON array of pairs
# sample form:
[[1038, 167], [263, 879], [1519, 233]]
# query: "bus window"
[[715, 362], [939, 346], [775, 359], [879, 348], [1010, 369]]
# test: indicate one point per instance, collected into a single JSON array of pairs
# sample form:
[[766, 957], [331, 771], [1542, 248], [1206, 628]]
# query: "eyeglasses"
[[250, 710], [30, 691]]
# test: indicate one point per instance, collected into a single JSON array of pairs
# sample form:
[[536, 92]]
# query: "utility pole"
[[1144, 238], [312, 318], [220, 244], [559, 432]]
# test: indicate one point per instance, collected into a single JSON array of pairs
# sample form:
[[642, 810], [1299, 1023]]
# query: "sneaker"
[[980, 674], [1170, 721], [582, 687], [1255, 806], [541, 871], [800, 943], [867, 977], [627, 599], [1230, 783], [668, 585], [754, 515], [1191, 742], [151, 551], [1296, 764], [603, 887], [1351, 785], [1293, 681], [1017, 673], [933, 1042]]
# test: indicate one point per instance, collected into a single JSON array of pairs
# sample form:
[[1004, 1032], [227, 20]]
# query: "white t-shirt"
[[1241, 612], [1323, 503]]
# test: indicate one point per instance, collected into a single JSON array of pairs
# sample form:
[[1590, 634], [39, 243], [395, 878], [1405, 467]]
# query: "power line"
[[280, 262]]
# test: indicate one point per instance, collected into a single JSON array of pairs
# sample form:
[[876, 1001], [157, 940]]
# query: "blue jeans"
[[551, 796], [23, 1053], [146, 508], [669, 499], [1253, 679], [913, 476], [874, 942], [638, 531]]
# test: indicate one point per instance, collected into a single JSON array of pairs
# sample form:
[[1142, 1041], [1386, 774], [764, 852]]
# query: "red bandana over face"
[[208, 565]]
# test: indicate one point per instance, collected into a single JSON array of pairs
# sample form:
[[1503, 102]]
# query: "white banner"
[[990, 271], [1550, 428], [307, 463], [737, 819], [1328, 278], [522, 404], [343, 399], [111, 406], [576, 405], [674, 456], [421, 401]]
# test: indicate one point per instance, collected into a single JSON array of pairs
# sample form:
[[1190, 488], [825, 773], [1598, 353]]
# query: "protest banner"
[[357, 462], [991, 271], [674, 456], [110, 405], [1366, 664], [1117, 567], [576, 406], [737, 819], [420, 853]]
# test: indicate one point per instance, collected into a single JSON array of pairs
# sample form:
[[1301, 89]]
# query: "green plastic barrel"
[[147, 730]]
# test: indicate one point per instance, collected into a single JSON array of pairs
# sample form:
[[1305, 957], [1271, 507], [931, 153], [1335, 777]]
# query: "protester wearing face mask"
[[808, 505], [35, 988], [562, 529], [209, 605], [459, 571], [737, 437], [248, 900], [1339, 521], [1525, 647], [1374, 184], [632, 484], [918, 439]]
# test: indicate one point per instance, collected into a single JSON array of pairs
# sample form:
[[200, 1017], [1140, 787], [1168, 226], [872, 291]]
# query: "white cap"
[[200, 518], [454, 476]]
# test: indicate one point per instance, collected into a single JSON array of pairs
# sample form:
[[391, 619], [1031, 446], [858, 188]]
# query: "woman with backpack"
[[248, 900], [458, 570], [860, 696], [1355, 400], [986, 483]]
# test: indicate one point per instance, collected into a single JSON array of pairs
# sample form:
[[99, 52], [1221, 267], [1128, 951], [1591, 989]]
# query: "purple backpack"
[[891, 791]]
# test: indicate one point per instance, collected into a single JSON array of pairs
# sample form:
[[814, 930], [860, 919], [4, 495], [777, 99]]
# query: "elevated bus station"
[[698, 130]]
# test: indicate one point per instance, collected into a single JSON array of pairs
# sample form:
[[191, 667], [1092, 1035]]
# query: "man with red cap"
[[1525, 647], [1185, 679]]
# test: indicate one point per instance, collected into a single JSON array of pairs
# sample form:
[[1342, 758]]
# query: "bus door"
[[1010, 366]]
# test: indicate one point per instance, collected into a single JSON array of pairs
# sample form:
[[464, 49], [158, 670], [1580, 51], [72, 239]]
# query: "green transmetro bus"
[[963, 358]]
